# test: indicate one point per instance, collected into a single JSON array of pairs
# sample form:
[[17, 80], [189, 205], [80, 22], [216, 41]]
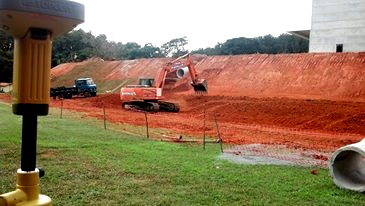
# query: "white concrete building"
[[337, 26]]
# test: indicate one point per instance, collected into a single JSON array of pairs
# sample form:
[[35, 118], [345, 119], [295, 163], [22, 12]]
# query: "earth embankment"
[[335, 76]]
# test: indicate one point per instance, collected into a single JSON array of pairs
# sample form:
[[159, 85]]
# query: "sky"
[[204, 22]]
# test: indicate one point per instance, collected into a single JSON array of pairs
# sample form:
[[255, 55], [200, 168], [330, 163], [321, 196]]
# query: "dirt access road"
[[310, 124]]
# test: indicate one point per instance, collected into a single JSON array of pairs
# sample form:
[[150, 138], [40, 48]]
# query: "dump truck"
[[147, 95], [83, 87]]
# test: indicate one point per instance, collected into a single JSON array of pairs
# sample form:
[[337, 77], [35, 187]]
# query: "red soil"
[[319, 76], [105, 73], [314, 101], [5, 98], [311, 124], [336, 76]]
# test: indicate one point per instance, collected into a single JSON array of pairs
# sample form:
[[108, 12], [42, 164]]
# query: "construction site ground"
[[311, 124], [303, 102], [300, 124]]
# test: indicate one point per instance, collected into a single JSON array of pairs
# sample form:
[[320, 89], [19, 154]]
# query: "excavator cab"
[[147, 82]]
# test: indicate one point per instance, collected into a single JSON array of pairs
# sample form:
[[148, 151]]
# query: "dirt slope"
[[326, 76], [320, 76], [107, 74]]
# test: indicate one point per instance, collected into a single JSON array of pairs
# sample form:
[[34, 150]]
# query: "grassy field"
[[86, 165]]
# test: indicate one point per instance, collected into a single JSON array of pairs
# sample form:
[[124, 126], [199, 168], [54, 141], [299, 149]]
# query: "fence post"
[[148, 135], [61, 108], [104, 116], [204, 128], [219, 134]]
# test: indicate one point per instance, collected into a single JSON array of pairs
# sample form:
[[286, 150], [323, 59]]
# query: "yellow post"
[[31, 78], [32, 63], [33, 24], [27, 191]]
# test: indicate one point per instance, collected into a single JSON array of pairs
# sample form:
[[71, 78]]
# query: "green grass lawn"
[[86, 165]]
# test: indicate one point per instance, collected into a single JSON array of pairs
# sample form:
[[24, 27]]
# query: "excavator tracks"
[[169, 107], [152, 106]]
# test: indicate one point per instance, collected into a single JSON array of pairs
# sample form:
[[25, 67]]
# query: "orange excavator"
[[147, 95]]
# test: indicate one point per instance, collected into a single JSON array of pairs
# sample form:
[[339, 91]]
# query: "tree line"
[[6, 57], [79, 45], [285, 43]]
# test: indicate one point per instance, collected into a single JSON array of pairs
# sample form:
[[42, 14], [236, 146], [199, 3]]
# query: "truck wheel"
[[93, 94], [68, 96], [87, 94]]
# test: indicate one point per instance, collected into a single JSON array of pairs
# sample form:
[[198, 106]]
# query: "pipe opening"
[[348, 169], [180, 73]]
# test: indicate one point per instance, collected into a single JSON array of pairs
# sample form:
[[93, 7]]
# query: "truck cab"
[[86, 86]]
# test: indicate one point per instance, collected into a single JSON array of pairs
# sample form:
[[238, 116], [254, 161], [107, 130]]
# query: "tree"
[[79, 45], [104, 49], [150, 51], [268, 44], [6, 57], [76, 45], [129, 50], [240, 45], [175, 47], [133, 50], [292, 44], [207, 51]]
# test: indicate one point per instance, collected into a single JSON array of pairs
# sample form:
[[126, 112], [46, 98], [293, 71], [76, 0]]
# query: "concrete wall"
[[338, 22]]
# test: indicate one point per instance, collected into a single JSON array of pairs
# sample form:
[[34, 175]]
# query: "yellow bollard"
[[33, 24], [27, 191]]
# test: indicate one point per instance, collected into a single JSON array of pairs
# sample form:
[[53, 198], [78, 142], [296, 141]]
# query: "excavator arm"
[[199, 85], [161, 76]]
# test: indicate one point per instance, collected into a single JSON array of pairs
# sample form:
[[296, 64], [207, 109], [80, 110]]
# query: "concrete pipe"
[[180, 73], [347, 167]]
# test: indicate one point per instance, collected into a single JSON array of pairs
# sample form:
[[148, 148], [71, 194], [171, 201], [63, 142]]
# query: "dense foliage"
[[268, 44], [79, 45], [6, 56], [175, 47]]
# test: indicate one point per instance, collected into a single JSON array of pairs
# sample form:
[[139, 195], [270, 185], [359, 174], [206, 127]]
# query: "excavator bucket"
[[200, 86]]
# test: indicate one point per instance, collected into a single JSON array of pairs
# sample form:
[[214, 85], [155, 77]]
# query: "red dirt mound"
[[320, 75], [5, 98], [108, 75]]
